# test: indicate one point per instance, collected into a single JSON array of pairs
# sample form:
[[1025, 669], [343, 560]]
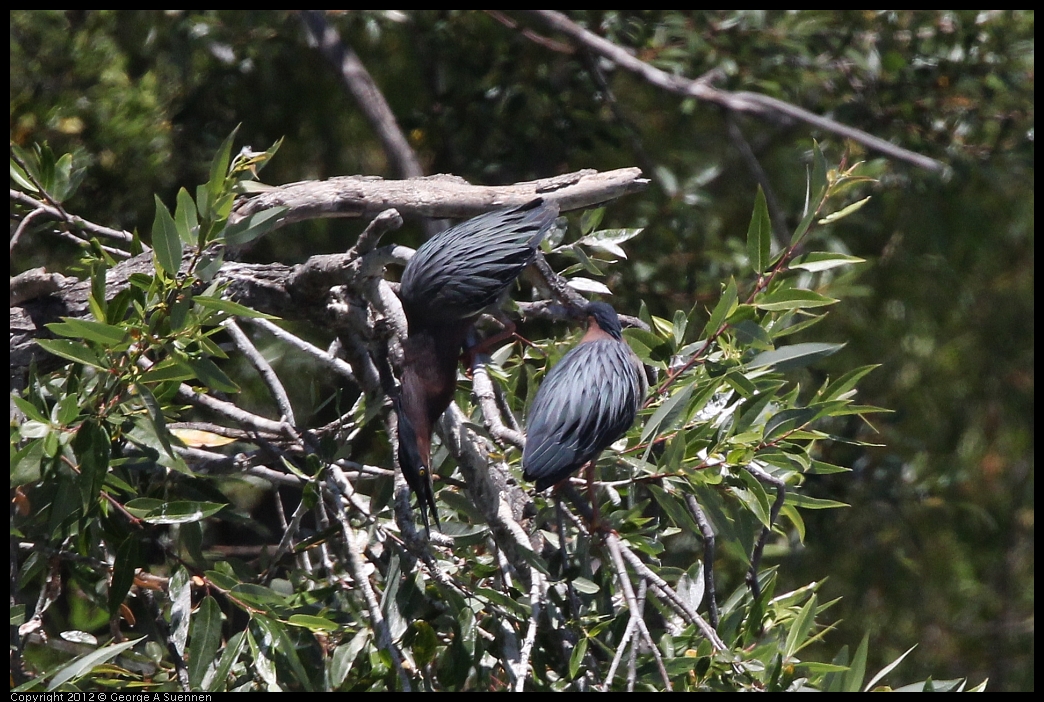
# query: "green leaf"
[[815, 262], [853, 679], [312, 623], [233, 308], [96, 298], [84, 664], [509, 604], [822, 468], [759, 235], [722, 310], [842, 213], [791, 299], [344, 656], [155, 410], [887, 669], [814, 192], [256, 225], [794, 356], [92, 447], [216, 679], [819, 172], [585, 261], [210, 375], [185, 218], [26, 463], [577, 657], [19, 176], [156, 511], [786, 421], [166, 244], [585, 586], [589, 286], [167, 370], [840, 387], [806, 502], [651, 349], [285, 649], [99, 332], [681, 321], [425, 643], [218, 174], [204, 640], [666, 415], [591, 219], [72, 351], [123, 568], [29, 409], [797, 636]]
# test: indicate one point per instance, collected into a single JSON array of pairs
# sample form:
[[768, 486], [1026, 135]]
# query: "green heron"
[[448, 282], [586, 402]]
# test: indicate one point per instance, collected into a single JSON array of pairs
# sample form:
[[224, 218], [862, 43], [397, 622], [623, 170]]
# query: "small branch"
[[598, 75], [484, 392], [558, 285], [358, 81], [331, 362], [708, 556], [632, 605], [536, 598], [755, 557], [753, 103], [186, 393], [275, 386], [362, 584], [23, 225], [668, 594], [74, 221], [777, 217]]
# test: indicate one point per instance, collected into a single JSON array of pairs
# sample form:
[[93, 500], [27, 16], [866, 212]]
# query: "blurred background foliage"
[[937, 547]]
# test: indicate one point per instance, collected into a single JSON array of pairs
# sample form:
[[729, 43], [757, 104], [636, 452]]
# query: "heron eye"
[[423, 473]]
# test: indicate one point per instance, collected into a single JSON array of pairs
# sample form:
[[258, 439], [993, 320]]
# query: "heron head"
[[605, 317]]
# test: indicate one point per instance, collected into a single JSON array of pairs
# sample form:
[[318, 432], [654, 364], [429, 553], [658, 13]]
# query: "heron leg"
[[467, 357], [596, 516]]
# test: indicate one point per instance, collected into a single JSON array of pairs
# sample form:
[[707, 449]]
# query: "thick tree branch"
[[437, 196]]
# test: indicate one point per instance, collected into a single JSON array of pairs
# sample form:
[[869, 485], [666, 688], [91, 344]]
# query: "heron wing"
[[464, 269], [585, 403]]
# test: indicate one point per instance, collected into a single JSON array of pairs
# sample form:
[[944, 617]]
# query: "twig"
[[708, 556], [483, 390], [363, 88], [777, 217], [78, 222], [755, 557], [743, 101], [668, 594], [362, 584], [332, 362], [268, 375], [536, 598], [632, 605]]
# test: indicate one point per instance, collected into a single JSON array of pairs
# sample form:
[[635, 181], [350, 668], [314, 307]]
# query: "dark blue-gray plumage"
[[586, 402], [448, 282]]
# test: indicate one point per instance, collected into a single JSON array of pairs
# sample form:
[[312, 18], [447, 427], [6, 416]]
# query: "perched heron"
[[448, 282], [586, 402]]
